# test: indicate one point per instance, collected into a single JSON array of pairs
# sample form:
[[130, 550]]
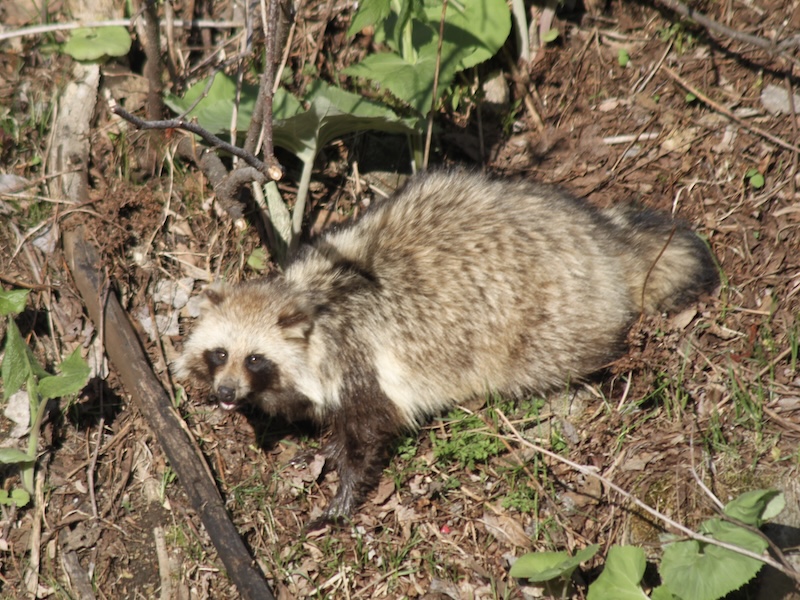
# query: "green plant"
[[754, 178], [473, 32], [524, 499], [97, 43], [547, 566], [681, 39], [467, 442], [332, 113], [20, 368], [694, 569]]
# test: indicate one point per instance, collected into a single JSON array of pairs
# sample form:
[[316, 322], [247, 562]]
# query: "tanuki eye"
[[218, 357], [257, 362]]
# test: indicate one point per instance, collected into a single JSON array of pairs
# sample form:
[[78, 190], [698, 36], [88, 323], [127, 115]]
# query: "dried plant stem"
[[54, 27], [721, 109], [712, 25], [197, 130], [429, 134], [768, 560]]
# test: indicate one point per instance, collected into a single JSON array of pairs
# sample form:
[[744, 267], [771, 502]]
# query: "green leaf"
[[213, 104], [699, 571], [12, 456], [96, 43], [621, 575], [623, 58], [12, 302], [544, 566], [410, 82], [16, 362], [662, 593], [74, 372], [479, 30], [18, 496], [369, 14], [550, 36], [472, 35], [755, 178], [257, 259], [333, 113], [690, 98], [751, 507]]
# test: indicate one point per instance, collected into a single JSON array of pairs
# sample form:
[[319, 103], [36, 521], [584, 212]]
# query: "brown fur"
[[457, 286]]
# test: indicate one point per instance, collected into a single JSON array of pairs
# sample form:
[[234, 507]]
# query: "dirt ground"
[[711, 394]]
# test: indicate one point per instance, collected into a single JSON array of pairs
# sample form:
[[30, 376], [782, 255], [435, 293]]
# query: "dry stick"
[[429, 134], [721, 109], [260, 130], [152, 67], [520, 83], [275, 171], [659, 516], [126, 353], [793, 114], [197, 130], [776, 550], [712, 25], [42, 29]]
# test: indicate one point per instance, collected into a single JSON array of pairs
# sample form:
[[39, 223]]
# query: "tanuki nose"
[[226, 394]]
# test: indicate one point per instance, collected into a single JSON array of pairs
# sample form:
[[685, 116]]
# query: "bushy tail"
[[668, 265]]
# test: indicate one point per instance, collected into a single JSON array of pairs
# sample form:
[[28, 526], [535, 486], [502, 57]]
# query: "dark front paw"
[[337, 514]]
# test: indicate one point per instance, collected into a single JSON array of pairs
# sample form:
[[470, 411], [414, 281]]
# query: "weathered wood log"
[[130, 360]]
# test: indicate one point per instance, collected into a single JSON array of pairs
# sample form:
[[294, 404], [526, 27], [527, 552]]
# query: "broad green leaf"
[[12, 456], [16, 361], [707, 572], [18, 496], [12, 302], [257, 259], [369, 14], [96, 43], [74, 373], [544, 566], [410, 82], [214, 109], [751, 506], [480, 29], [474, 31], [662, 593], [621, 575], [332, 113], [550, 36]]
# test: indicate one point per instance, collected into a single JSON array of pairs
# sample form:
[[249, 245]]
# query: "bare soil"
[[713, 392]]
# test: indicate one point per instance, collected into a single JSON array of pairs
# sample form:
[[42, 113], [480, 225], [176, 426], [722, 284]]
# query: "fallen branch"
[[689, 533], [724, 111], [204, 133], [126, 353], [54, 27], [711, 25]]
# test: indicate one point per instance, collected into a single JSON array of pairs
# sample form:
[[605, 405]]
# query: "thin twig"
[[267, 79], [93, 462], [53, 27], [721, 109], [197, 130], [429, 134], [712, 25], [653, 512]]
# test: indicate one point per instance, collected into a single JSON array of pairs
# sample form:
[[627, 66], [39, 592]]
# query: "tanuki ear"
[[296, 325], [216, 292]]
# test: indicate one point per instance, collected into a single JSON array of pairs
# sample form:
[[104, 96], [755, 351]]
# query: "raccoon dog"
[[457, 286]]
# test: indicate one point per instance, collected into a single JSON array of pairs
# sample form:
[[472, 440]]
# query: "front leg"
[[363, 433]]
